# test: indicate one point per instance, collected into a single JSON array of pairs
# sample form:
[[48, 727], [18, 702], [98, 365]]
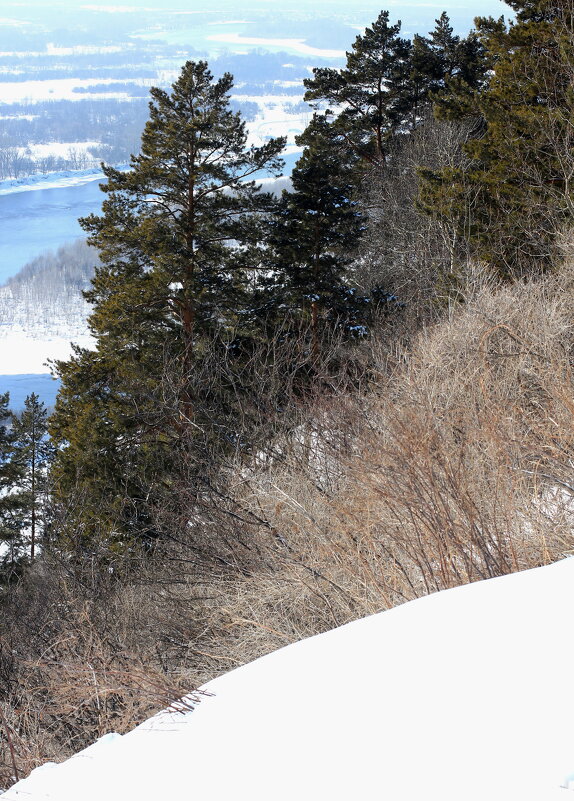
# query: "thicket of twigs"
[[452, 462]]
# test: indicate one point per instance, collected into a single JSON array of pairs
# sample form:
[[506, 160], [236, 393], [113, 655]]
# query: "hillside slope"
[[463, 694]]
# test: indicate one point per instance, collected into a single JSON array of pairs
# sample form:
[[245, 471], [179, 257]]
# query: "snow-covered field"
[[297, 46], [61, 150], [463, 695], [23, 352], [61, 89], [276, 118]]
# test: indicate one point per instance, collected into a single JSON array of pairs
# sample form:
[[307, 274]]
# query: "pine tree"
[[12, 540], [514, 195], [316, 233], [33, 453], [366, 99], [437, 61], [178, 249], [387, 84]]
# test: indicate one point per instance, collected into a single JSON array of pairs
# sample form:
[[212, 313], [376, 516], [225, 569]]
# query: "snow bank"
[[288, 45], [466, 694], [21, 352], [53, 180]]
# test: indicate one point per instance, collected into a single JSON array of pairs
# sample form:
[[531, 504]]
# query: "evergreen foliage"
[[316, 232], [33, 455], [514, 195], [388, 83], [365, 100], [179, 243], [12, 513]]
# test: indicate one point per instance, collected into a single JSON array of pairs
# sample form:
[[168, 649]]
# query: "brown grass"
[[455, 465]]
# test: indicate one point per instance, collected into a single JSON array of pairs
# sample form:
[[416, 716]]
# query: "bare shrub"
[[408, 252], [79, 657], [456, 466], [448, 460]]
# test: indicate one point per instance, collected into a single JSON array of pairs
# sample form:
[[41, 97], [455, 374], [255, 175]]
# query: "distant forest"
[[116, 124], [46, 295]]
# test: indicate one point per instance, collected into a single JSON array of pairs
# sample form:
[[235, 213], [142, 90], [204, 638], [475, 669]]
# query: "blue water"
[[42, 219], [20, 386]]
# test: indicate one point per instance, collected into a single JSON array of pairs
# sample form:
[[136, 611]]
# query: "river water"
[[42, 219]]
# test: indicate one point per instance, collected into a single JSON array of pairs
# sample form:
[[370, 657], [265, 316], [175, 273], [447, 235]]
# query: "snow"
[[82, 50], [24, 352], [290, 45], [53, 180], [231, 22], [117, 9], [466, 694], [275, 118], [62, 89], [60, 149], [9, 21]]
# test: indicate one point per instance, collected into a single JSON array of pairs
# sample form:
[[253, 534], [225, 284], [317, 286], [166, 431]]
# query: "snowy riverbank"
[[22, 353], [52, 180]]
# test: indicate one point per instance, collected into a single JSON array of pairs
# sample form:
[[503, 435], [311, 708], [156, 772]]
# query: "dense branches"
[[178, 244]]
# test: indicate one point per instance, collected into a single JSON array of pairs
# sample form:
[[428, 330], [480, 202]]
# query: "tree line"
[[217, 309]]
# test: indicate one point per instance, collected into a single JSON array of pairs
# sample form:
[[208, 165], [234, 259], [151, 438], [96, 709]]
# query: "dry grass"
[[77, 659], [455, 465]]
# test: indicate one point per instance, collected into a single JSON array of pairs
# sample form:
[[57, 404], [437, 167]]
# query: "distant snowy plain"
[[465, 695]]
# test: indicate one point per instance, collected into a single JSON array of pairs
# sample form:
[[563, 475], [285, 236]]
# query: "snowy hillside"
[[42, 310], [465, 694]]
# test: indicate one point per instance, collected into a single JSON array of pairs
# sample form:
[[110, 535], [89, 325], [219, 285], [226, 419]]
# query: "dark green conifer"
[[178, 246], [317, 232], [514, 194], [439, 60], [365, 100], [12, 539], [33, 454]]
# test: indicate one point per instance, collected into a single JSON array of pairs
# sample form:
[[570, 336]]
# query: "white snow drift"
[[466, 694]]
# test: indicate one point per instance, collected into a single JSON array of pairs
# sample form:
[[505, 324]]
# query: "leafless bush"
[[457, 467], [79, 657], [450, 461], [408, 252]]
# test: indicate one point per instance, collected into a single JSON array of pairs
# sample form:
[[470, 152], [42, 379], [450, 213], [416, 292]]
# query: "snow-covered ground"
[[276, 118], [23, 352], [63, 89], [52, 180], [62, 150], [466, 694], [297, 46]]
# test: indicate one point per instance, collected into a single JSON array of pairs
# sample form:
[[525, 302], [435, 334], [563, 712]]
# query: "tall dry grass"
[[453, 463], [456, 466]]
